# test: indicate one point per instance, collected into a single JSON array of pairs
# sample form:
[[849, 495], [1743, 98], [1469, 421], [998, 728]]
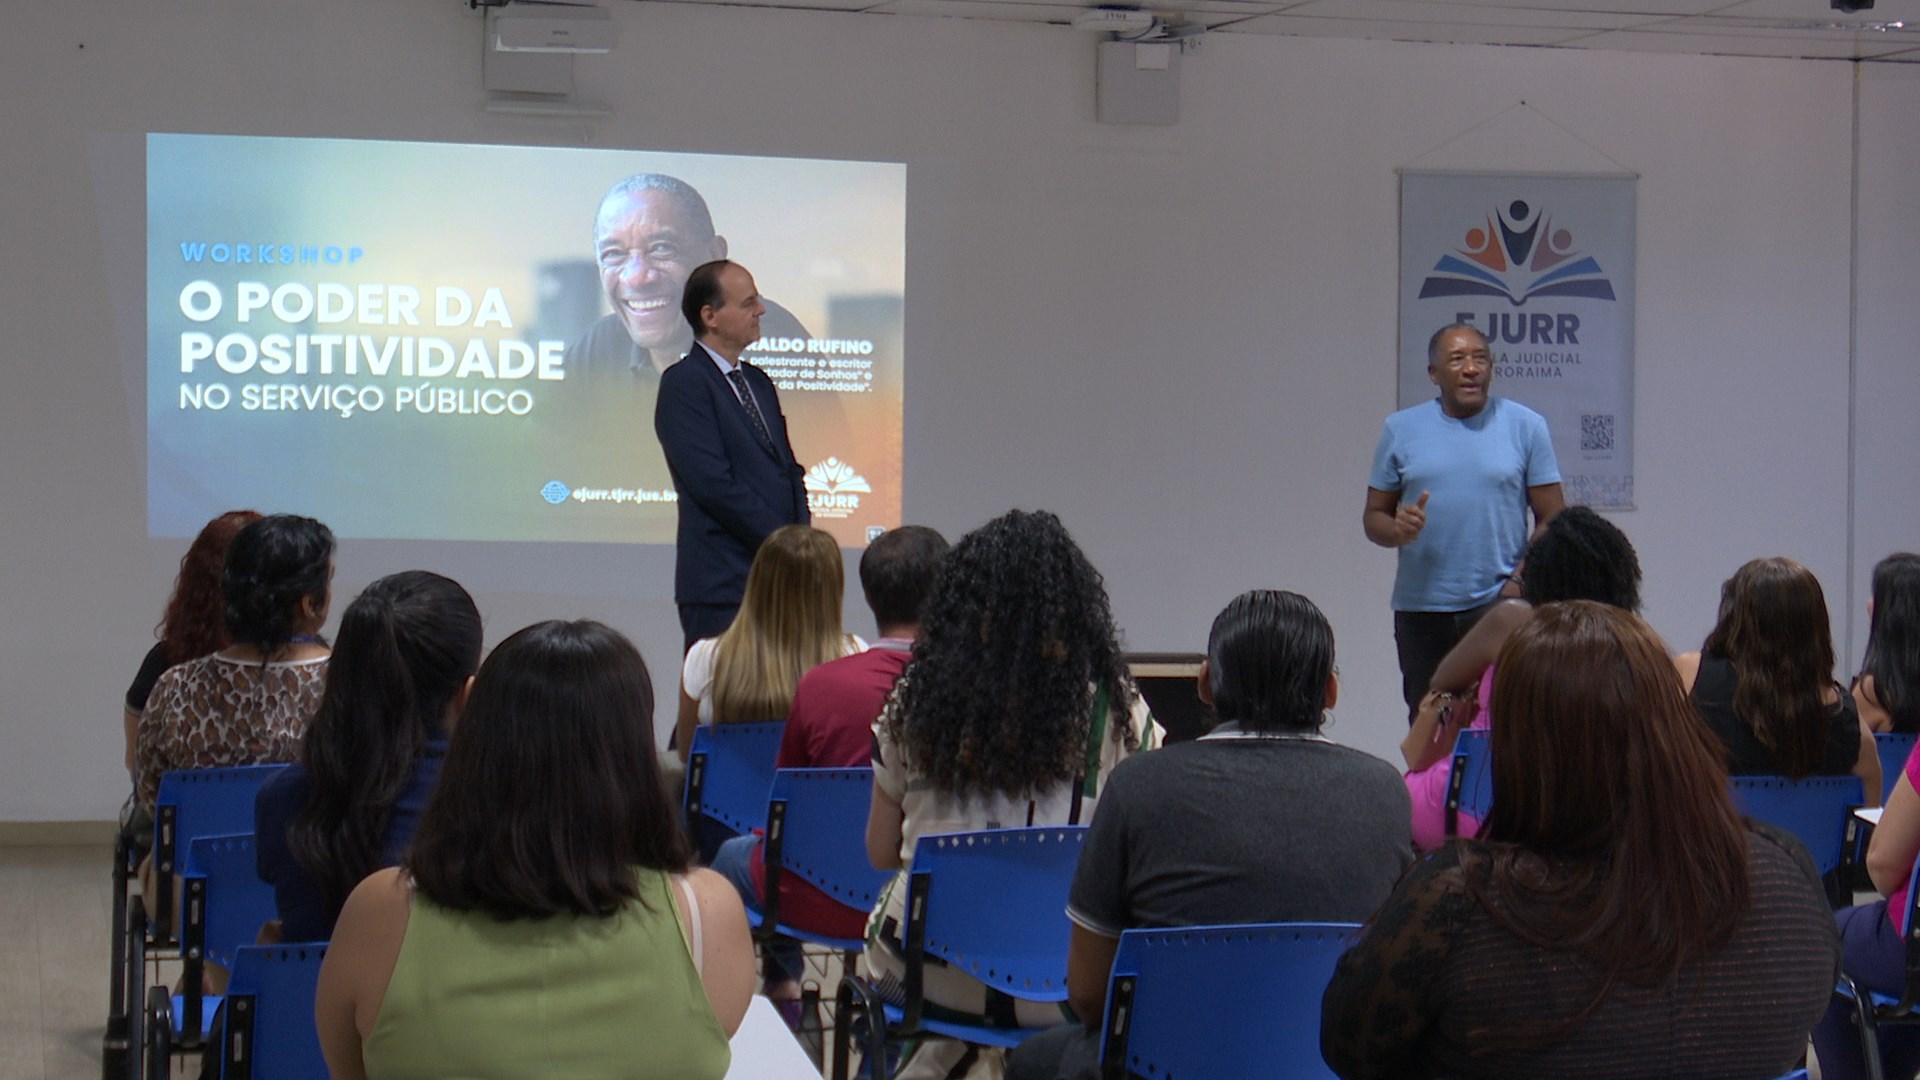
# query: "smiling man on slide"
[[1453, 482], [650, 232]]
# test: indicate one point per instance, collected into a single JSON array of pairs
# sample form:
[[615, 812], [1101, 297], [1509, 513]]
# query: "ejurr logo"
[[1517, 254], [834, 488]]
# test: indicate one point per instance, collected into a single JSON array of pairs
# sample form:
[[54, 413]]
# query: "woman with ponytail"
[[407, 650], [247, 704]]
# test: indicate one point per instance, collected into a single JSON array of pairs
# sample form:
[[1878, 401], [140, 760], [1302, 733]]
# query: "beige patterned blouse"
[[215, 711]]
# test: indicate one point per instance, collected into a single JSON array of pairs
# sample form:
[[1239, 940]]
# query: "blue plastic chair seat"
[[985, 1036], [816, 831], [209, 1005], [730, 771], [1818, 810], [1220, 1002], [269, 1019]]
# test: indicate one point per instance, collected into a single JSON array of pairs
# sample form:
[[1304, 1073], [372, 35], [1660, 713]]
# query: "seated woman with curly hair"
[[1015, 707]]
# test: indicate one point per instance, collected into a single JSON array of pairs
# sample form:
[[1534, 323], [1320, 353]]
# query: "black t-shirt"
[[150, 669], [1712, 694], [1238, 830]]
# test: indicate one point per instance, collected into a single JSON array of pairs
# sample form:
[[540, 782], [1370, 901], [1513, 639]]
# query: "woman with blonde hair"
[[789, 622]]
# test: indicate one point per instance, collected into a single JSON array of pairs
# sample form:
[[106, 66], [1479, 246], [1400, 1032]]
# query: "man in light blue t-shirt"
[[1470, 467]]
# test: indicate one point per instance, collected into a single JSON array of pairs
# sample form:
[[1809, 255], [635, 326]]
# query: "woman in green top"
[[546, 922]]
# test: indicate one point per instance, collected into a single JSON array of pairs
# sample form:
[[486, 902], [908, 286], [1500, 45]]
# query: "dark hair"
[[406, 646], [196, 620], [703, 291], [1637, 868], [1017, 635], [1893, 640], [1433, 343], [1269, 657], [550, 796], [682, 192], [897, 572], [1773, 628], [1581, 556], [271, 566]]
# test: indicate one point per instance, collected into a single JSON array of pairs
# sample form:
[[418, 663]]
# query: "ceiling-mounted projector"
[[551, 28], [1115, 20]]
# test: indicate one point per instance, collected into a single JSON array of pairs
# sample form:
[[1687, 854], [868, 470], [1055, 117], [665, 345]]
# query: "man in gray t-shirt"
[[1240, 828], [1261, 820]]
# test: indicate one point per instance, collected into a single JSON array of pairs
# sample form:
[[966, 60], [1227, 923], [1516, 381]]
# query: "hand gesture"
[[1409, 519]]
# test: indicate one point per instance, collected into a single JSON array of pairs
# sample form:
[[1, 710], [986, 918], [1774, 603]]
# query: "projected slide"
[[449, 342]]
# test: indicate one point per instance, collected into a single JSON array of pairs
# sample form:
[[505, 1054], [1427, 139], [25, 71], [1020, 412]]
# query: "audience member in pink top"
[[1579, 555], [1872, 942]]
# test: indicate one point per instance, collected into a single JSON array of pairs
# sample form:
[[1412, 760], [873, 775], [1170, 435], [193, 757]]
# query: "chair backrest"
[[817, 827], [237, 901], [198, 802], [1894, 747], [994, 904], [1816, 809], [268, 1030], [1221, 1002], [1470, 787], [205, 802], [730, 772]]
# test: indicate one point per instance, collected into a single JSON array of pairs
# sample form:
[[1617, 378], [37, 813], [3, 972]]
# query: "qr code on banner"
[[1596, 431]]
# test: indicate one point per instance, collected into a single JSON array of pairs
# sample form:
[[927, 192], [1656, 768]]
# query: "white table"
[[763, 1048]]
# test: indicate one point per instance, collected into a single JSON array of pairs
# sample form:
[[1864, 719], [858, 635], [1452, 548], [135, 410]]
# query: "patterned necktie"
[[739, 380]]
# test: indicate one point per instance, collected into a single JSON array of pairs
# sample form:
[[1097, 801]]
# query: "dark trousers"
[[1068, 1052], [1423, 639], [1872, 952], [704, 621]]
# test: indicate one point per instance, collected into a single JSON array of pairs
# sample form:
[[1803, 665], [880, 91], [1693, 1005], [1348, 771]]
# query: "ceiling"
[[1806, 29]]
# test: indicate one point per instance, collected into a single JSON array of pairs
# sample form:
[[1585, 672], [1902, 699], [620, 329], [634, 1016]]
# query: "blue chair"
[[1220, 1002], [223, 905], [268, 1028], [816, 830], [1470, 786], [991, 904], [1817, 810], [199, 802], [729, 773], [1895, 747]]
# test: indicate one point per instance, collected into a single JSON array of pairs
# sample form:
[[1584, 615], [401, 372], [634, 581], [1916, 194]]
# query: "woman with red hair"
[[196, 620]]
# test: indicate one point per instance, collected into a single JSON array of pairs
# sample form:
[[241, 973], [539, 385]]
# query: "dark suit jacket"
[[733, 491]]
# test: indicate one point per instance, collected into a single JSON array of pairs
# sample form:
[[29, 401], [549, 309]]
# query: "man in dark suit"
[[725, 440]]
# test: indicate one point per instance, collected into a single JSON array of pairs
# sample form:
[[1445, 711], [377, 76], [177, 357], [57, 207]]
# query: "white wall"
[[1887, 333], [1180, 339]]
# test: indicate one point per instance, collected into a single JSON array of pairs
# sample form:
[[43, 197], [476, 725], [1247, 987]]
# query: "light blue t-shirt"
[[1477, 472]]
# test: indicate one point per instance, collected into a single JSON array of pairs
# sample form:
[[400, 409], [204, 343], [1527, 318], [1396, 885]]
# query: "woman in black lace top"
[[1619, 919]]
